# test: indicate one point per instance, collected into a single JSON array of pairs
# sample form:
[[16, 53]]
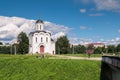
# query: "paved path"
[[73, 57]]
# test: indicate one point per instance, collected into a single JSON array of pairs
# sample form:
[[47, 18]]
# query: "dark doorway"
[[42, 49]]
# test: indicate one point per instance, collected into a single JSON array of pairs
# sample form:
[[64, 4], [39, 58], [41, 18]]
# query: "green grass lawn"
[[25, 67], [84, 55]]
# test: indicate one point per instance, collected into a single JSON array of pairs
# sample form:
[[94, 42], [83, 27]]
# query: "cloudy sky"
[[82, 21]]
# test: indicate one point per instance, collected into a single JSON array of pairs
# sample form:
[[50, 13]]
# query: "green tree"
[[5, 49], [23, 43], [98, 50], [104, 49], [118, 48], [79, 49], [111, 49], [62, 45], [1, 43]]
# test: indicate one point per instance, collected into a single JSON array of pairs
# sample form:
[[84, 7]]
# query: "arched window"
[[46, 39], [40, 27], [41, 39], [36, 39], [37, 27]]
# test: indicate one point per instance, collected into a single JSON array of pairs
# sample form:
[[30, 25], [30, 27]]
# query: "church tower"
[[39, 25], [40, 41]]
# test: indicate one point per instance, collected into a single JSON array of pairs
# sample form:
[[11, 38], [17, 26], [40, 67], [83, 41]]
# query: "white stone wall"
[[38, 38], [34, 45]]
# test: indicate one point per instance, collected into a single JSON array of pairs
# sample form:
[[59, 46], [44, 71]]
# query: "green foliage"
[[79, 49], [62, 45], [98, 50], [1, 43], [118, 48], [29, 68], [5, 49], [84, 55], [23, 43], [111, 49]]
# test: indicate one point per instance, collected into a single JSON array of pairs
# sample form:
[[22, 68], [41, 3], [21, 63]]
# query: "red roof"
[[98, 43]]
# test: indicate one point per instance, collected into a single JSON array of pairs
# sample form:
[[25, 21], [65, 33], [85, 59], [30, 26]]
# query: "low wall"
[[110, 68]]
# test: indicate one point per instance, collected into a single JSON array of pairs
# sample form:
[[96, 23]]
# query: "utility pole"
[[58, 50], [15, 49], [11, 49]]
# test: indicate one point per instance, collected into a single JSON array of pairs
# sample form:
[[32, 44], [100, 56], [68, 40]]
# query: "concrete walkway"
[[73, 57]]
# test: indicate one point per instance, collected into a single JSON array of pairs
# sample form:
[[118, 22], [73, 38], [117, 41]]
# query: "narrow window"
[[41, 39], [36, 39], [46, 39], [40, 27], [37, 27]]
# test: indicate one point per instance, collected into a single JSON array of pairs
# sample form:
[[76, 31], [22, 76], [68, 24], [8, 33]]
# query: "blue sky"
[[88, 19]]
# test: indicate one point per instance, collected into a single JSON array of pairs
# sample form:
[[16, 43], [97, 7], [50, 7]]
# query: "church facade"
[[40, 41]]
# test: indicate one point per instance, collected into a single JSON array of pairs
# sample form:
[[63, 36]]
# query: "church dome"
[[39, 21]]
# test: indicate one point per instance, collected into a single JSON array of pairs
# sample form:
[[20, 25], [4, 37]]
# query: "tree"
[[118, 48], [104, 49], [79, 49], [98, 50], [62, 45], [23, 43], [111, 49], [90, 49], [1, 43], [5, 49]]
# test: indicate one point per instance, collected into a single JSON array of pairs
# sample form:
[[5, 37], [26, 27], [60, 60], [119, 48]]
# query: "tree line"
[[21, 47], [62, 44], [63, 47]]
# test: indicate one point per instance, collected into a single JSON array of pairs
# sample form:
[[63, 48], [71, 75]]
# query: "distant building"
[[96, 45], [40, 41]]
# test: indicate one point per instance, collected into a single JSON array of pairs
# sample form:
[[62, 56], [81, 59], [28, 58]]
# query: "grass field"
[[84, 55], [23, 67]]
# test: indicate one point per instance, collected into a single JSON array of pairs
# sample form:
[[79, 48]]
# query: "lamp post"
[[11, 49], [72, 49]]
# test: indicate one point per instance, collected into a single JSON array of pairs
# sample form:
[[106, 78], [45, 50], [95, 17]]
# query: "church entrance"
[[42, 49]]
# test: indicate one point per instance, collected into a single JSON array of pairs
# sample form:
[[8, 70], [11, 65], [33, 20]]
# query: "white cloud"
[[55, 28], [110, 5], [83, 27], [82, 41], [107, 5], [58, 35], [119, 31], [114, 41], [10, 27], [97, 14], [83, 10], [14, 20]]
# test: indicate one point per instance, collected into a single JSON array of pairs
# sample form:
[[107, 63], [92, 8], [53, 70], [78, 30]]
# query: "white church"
[[40, 41]]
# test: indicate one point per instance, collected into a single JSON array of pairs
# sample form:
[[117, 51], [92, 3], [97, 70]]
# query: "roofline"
[[39, 32]]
